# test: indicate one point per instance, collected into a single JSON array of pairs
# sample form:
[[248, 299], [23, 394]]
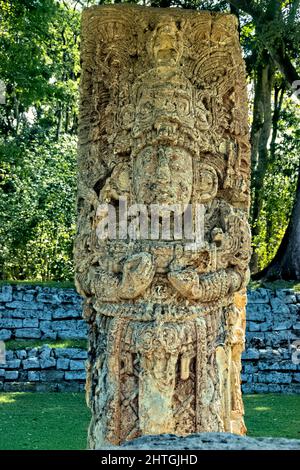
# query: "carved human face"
[[166, 43], [207, 184], [163, 175]]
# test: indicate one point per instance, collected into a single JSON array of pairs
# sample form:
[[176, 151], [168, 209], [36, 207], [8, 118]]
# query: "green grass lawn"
[[46, 421], [60, 420]]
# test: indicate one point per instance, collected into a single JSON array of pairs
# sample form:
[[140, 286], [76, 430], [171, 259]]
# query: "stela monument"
[[163, 242]]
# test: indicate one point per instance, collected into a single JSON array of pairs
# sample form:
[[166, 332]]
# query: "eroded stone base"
[[209, 441]]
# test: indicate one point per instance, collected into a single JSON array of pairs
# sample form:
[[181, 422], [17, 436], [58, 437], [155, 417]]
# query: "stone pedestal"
[[163, 242]]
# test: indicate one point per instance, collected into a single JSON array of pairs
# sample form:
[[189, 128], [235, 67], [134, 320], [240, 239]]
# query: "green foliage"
[[37, 207], [17, 344], [55, 284], [279, 185], [39, 65]]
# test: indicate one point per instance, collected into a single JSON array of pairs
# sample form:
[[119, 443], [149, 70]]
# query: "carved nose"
[[163, 172]]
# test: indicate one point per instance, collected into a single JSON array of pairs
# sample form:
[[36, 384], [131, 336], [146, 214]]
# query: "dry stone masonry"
[[163, 127], [271, 361], [43, 369], [41, 313]]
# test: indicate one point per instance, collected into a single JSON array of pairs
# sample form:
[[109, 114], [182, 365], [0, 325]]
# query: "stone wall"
[[44, 313], [270, 361], [44, 369]]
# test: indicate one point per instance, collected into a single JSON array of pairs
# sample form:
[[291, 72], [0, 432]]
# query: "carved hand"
[[207, 288], [185, 282], [138, 274]]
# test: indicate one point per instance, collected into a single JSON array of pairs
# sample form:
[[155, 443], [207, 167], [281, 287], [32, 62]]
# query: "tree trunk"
[[286, 264], [260, 134], [276, 50], [279, 92]]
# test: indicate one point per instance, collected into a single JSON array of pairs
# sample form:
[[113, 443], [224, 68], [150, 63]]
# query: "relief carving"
[[163, 241]]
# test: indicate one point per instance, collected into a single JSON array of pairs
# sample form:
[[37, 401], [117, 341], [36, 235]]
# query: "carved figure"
[[163, 132]]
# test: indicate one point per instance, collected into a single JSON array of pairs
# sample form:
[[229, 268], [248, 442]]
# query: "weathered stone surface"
[[28, 333], [64, 325], [33, 352], [33, 376], [75, 375], [6, 293], [208, 441], [21, 354], [51, 375], [76, 365], [258, 296], [284, 365], [63, 313], [72, 334], [51, 335], [10, 323], [9, 355], [256, 340], [282, 325], [45, 326], [28, 297], [5, 334], [13, 364], [279, 307], [70, 387], [32, 363], [48, 363], [11, 374], [251, 353], [257, 312], [45, 352], [274, 378], [163, 121], [49, 298], [73, 353], [25, 305], [253, 326], [63, 364]]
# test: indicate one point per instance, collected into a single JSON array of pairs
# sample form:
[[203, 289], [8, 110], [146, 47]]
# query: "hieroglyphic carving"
[[163, 127]]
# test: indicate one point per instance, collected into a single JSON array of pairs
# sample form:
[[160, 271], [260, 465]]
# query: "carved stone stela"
[[163, 122]]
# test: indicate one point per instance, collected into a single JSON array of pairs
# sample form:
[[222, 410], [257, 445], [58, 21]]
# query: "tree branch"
[[247, 6], [277, 52], [284, 65]]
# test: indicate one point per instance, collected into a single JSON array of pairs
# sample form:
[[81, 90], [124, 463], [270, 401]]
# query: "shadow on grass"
[[273, 415], [46, 421]]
